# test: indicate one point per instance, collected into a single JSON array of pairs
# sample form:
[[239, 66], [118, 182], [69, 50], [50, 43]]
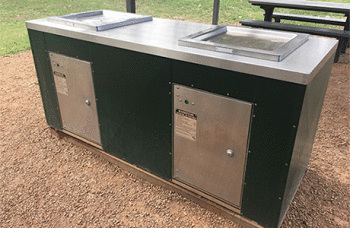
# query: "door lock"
[[229, 153]]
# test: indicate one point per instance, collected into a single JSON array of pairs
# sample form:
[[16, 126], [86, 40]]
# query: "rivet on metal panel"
[[169, 83], [227, 94], [177, 87], [177, 170], [180, 99], [177, 95], [169, 92], [286, 164], [279, 198], [245, 183], [192, 103], [170, 124], [191, 85], [256, 104], [253, 116], [294, 126], [249, 151], [170, 153]]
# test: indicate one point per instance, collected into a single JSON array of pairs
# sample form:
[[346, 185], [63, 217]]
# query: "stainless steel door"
[[210, 143], [76, 96]]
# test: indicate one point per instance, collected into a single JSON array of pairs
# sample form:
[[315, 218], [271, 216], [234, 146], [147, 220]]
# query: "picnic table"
[[270, 5], [341, 8]]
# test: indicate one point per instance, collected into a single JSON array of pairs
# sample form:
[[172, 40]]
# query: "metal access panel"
[[211, 134], [76, 96]]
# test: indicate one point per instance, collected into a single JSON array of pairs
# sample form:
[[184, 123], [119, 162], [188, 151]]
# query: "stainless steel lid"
[[256, 43], [100, 20]]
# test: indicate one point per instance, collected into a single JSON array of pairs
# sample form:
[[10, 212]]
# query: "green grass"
[[13, 14]]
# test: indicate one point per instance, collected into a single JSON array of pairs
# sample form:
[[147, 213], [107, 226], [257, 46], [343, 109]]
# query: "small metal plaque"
[[61, 83], [186, 124]]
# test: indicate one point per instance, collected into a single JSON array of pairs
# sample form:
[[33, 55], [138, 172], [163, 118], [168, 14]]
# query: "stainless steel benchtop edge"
[[160, 37]]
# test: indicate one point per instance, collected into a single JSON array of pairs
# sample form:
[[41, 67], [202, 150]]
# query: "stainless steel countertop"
[[160, 37]]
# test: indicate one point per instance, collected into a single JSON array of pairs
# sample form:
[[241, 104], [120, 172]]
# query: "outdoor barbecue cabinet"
[[228, 113]]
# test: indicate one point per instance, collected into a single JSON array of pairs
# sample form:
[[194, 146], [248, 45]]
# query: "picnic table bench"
[[269, 6]]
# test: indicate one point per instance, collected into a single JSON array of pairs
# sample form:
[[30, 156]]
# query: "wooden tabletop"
[[305, 5]]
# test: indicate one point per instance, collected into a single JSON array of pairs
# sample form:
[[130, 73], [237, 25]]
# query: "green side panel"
[[272, 140], [134, 107], [277, 109], [133, 101], [310, 115], [46, 82], [70, 47]]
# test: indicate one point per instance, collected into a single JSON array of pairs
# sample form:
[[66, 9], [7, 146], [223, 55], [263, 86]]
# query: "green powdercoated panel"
[[70, 47], [311, 111], [277, 109], [134, 107], [133, 101], [272, 140], [45, 79], [214, 80]]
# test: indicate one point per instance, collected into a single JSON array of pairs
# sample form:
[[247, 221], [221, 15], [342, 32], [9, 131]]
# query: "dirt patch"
[[47, 182]]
